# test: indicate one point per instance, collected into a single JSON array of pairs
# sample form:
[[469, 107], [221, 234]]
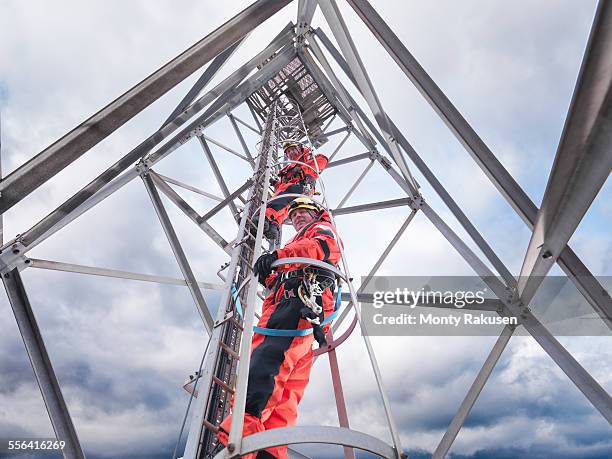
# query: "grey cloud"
[[122, 348]]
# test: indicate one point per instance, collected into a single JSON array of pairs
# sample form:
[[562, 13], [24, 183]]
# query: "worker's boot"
[[271, 229]]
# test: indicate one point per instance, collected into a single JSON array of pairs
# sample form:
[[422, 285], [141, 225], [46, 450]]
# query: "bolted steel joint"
[[142, 167], [417, 202]]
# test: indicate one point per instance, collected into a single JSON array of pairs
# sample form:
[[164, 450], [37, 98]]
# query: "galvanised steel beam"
[[189, 211], [350, 159], [335, 91], [254, 115], [596, 394], [41, 363], [336, 131], [104, 185], [475, 389], [179, 254], [245, 124], [588, 386], [210, 72], [416, 159], [218, 176], [340, 145], [73, 145], [229, 100], [374, 206], [189, 187], [306, 10], [584, 280], [379, 262], [434, 95], [583, 161], [334, 18], [329, 122], [225, 147], [118, 274], [355, 185], [241, 138], [225, 202]]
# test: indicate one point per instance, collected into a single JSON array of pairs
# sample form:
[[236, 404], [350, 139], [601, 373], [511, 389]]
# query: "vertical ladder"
[[218, 376]]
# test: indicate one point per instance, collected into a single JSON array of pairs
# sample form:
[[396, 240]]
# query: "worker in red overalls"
[[292, 178], [280, 365]]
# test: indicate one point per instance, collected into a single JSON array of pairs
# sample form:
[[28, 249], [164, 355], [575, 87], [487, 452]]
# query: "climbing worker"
[[292, 178], [280, 365]]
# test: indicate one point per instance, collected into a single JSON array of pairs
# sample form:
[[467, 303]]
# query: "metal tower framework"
[[291, 88]]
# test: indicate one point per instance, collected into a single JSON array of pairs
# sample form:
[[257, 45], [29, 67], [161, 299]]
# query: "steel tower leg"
[[41, 363], [584, 280], [73, 145]]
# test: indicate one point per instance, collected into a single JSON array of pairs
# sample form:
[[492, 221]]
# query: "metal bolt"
[[27, 262], [231, 447], [7, 275], [547, 255], [15, 251]]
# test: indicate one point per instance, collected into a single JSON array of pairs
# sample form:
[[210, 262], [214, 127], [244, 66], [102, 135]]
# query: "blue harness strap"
[[282, 332]]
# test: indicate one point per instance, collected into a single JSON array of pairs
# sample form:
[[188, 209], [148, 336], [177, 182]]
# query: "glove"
[[315, 321], [263, 266], [319, 335]]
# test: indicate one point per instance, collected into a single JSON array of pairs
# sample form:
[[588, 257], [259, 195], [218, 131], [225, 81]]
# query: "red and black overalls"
[[280, 366], [293, 178]]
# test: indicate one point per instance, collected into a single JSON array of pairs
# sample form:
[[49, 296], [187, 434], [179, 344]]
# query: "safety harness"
[[284, 332], [294, 171]]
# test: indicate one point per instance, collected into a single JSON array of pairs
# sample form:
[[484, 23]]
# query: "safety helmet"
[[291, 143], [304, 203]]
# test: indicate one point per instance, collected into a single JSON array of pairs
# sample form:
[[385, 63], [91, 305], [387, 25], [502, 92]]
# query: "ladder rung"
[[223, 385], [229, 350], [210, 426], [237, 324]]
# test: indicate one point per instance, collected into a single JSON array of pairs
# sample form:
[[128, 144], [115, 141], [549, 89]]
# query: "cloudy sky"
[[122, 349]]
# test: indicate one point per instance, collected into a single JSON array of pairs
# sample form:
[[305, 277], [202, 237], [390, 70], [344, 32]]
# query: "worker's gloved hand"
[[263, 266], [319, 335], [315, 321]]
